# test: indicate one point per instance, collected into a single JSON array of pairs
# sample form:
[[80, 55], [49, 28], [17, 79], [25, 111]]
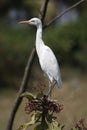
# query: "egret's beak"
[[24, 22]]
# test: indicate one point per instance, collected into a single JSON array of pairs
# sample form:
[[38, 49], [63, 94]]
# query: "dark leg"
[[50, 90], [51, 86]]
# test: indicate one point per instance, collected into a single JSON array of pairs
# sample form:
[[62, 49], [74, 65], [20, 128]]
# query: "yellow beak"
[[24, 22]]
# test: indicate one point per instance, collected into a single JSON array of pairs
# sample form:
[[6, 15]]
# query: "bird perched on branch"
[[47, 59]]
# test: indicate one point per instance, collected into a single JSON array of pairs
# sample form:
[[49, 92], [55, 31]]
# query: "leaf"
[[34, 119], [39, 95], [28, 95], [55, 126], [49, 118], [42, 126], [37, 115], [61, 126], [25, 126]]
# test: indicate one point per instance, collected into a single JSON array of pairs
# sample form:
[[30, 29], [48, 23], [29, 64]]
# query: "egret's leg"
[[50, 90], [51, 86]]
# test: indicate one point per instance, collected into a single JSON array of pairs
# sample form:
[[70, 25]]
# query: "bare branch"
[[62, 13], [43, 10], [22, 89]]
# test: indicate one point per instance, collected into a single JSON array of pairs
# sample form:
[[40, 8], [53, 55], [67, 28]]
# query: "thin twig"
[[62, 13], [43, 10], [21, 90]]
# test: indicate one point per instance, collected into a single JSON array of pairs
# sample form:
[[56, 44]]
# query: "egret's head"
[[33, 21]]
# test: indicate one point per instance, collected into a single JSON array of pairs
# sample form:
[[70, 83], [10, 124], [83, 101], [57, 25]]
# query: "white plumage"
[[47, 59]]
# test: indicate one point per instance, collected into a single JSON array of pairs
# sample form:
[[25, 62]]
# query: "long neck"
[[39, 32], [39, 41]]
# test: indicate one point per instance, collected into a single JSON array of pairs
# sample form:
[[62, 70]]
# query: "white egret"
[[47, 59]]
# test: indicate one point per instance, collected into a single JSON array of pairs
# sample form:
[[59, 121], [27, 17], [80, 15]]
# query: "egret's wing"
[[49, 64]]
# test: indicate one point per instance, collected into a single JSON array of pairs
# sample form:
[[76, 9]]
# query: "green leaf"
[[37, 115], [42, 126], [49, 118], [39, 95], [25, 126], [55, 126], [34, 119], [28, 95]]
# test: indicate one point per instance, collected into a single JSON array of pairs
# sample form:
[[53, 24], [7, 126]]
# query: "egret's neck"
[[39, 32], [39, 41]]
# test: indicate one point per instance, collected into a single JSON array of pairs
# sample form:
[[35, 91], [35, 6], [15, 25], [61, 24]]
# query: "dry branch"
[[21, 90], [62, 13], [43, 10]]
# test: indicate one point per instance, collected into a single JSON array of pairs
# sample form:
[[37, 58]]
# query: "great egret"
[[47, 59]]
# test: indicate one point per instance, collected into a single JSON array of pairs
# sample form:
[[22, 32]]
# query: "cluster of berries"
[[43, 103]]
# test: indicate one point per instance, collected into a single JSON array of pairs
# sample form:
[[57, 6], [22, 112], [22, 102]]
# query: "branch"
[[22, 89], [25, 78], [43, 10], [62, 13]]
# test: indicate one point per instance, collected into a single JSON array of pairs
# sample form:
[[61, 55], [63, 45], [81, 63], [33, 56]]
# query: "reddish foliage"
[[43, 104], [80, 125]]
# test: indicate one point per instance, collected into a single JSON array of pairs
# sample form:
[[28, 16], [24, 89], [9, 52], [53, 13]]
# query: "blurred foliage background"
[[68, 39]]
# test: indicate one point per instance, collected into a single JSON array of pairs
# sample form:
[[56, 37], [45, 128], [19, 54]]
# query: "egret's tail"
[[60, 84]]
